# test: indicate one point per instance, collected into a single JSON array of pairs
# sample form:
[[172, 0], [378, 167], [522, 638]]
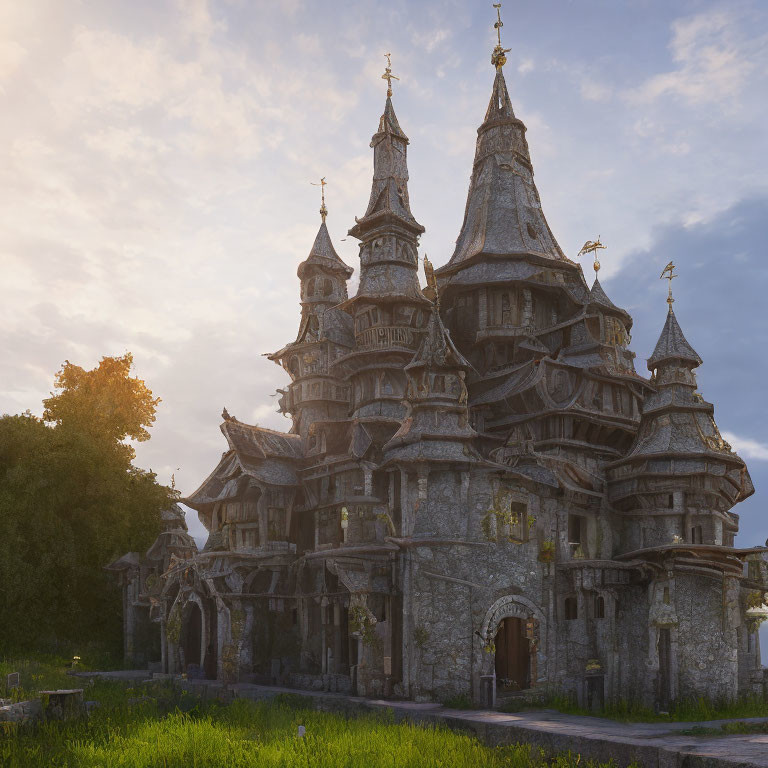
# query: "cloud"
[[713, 61], [746, 447], [526, 65]]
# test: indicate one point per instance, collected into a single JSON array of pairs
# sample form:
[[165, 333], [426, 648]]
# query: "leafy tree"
[[71, 501]]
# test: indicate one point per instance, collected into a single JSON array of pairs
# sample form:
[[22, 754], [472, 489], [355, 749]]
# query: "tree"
[[107, 402], [71, 501]]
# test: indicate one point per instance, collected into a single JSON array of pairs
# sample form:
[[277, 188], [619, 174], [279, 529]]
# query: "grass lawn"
[[157, 724]]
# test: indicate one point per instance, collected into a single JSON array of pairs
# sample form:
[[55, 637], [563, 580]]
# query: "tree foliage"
[[106, 402], [71, 502]]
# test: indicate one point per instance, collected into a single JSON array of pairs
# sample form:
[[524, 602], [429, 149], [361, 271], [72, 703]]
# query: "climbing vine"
[[173, 625], [362, 622], [547, 551], [504, 514], [420, 637]]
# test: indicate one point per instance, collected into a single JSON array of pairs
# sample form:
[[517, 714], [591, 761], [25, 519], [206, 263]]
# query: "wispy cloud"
[[746, 447], [713, 60]]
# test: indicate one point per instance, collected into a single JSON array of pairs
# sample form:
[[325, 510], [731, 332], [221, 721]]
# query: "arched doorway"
[[514, 630], [513, 655], [193, 636]]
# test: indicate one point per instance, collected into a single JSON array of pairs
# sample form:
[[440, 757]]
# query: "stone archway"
[[514, 633]]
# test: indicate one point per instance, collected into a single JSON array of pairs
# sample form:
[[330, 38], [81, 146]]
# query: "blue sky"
[[155, 181]]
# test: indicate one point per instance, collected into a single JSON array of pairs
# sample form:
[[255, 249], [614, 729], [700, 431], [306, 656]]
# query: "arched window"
[[327, 287], [311, 286], [599, 607]]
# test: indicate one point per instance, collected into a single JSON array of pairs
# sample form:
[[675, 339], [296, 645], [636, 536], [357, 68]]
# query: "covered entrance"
[[513, 655], [192, 638]]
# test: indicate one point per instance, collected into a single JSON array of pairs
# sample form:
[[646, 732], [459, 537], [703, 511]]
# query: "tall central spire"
[[503, 215]]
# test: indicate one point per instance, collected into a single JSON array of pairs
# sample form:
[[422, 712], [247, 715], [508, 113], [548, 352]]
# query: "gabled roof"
[[324, 255], [672, 345], [260, 442]]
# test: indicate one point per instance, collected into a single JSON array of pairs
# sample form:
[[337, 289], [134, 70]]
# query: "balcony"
[[385, 337]]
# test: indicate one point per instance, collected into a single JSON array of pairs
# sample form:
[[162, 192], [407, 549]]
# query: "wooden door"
[[513, 656]]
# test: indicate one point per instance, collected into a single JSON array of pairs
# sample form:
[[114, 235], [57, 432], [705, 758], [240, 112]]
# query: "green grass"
[[177, 730], [46, 671], [691, 710]]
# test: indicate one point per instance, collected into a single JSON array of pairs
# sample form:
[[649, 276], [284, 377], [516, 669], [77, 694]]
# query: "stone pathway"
[[651, 745]]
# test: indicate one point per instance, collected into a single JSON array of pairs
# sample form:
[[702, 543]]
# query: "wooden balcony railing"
[[382, 337]]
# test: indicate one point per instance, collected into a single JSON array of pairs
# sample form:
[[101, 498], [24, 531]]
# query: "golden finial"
[[321, 184], [593, 247], [388, 76], [668, 273], [498, 57], [429, 273]]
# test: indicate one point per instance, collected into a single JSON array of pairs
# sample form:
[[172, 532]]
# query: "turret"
[[389, 309], [325, 332], [680, 479]]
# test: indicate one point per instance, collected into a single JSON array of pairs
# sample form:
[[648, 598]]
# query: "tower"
[[389, 309], [314, 394], [679, 479]]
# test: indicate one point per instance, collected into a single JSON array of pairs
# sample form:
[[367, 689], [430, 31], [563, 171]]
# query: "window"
[[438, 384], [697, 534], [518, 521], [753, 570], [671, 501], [327, 287], [577, 536], [311, 287], [599, 607], [506, 309], [571, 607]]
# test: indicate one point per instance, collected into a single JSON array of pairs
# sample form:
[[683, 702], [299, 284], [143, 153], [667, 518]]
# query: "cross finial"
[[668, 273], [498, 57], [321, 184], [388, 76], [593, 246]]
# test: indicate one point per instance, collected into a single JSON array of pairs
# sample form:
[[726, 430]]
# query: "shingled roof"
[[672, 345]]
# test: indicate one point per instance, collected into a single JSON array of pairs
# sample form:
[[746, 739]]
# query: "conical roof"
[[598, 296], [500, 105], [672, 345], [389, 187], [324, 255], [503, 215], [388, 122], [437, 349]]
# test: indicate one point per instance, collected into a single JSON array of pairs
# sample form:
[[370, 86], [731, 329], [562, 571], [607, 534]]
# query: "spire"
[[389, 188], [323, 254], [503, 215], [388, 231], [673, 346]]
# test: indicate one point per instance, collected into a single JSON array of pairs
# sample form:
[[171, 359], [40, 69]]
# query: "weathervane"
[[668, 273], [321, 184], [498, 57], [593, 247], [388, 76]]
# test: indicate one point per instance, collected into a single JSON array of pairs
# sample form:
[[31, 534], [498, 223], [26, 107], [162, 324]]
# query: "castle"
[[478, 495]]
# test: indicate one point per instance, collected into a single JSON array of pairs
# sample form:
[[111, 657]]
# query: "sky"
[[155, 181]]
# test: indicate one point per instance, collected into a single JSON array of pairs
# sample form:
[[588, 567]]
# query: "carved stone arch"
[[511, 606], [519, 607]]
